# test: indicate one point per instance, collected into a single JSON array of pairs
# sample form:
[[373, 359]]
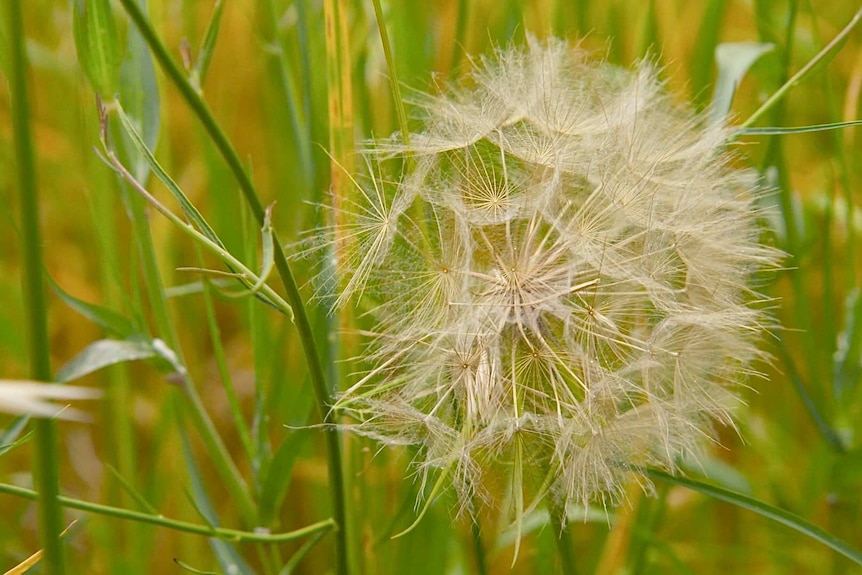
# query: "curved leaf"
[[769, 511], [733, 60], [103, 353]]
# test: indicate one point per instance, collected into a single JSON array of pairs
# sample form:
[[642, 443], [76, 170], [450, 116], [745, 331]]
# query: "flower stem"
[[303, 326], [559, 524], [46, 467], [478, 547]]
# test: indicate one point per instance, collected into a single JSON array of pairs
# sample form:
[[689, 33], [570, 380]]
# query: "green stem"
[[770, 512], [559, 523], [303, 326], [478, 547], [46, 466], [204, 425], [393, 76], [217, 532], [829, 50]]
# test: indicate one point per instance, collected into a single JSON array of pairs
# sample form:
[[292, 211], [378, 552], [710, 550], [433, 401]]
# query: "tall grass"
[[207, 453]]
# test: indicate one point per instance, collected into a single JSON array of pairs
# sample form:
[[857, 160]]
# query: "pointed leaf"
[[139, 93], [208, 46], [770, 131], [847, 360], [105, 318], [103, 353], [187, 206], [770, 512], [98, 43], [10, 438], [733, 60], [278, 474], [228, 558]]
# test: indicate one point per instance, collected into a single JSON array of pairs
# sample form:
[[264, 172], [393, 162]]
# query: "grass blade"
[[823, 57], [47, 474], [734, 60], [97, 42], [776, 514], [207, 48]]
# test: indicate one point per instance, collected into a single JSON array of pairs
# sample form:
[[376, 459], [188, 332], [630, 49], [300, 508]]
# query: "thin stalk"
[[46, 470], [828, 51], [460, 33], [393, 76], [559, 523], [204, 425], [175, 524], [478, 547], [303, 326], [224, 371]]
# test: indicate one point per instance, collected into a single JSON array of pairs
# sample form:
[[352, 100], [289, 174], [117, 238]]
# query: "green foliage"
[[187, 464]]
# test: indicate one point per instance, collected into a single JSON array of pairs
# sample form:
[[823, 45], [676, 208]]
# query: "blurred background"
[[270, 85]]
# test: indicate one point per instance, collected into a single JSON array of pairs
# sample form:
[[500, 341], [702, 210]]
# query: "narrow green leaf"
[[139, 93], [228, 558], [11, 436], [648, 38], [186, 205], [773, 131], [207, 46], [132, 491], [847, 361], [770, 512], [186, 567], [821, 59], [194, 288], [112, 322], [733, 60], [103, 353], [301, 553], [277, 475], [98, 44], [704, 49]]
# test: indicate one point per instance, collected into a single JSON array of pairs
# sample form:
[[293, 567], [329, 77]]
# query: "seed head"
[[559, 267]]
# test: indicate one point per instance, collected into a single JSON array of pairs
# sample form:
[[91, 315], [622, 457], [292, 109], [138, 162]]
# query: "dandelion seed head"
[[561, 264]]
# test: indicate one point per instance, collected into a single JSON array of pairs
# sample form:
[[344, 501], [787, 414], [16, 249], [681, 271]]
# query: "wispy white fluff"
[[559, 266]]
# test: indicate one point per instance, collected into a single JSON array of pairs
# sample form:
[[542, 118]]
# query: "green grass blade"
[[97, 42], [227, 555], [821, 59], [776, 514], [702, 59], [783, 131], [847, 360], [277, 475], [186, 205], [321, 389], [105, 352], [734, 60], [107, 319], [208, 44], [394, 86], [47, 474], [648, 38]]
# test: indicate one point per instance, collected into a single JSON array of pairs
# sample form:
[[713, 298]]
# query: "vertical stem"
[[393, 75], [559, 523], [478, 547], [46, 468], [303, 326]]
